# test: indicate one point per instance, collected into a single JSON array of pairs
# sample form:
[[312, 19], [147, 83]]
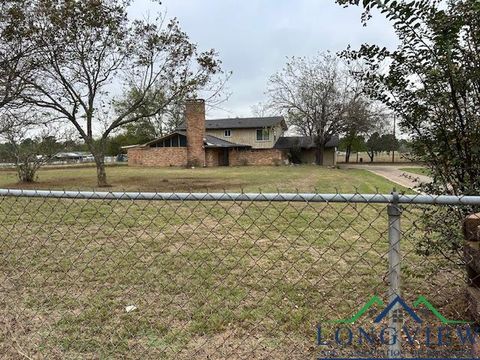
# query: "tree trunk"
[[371, 156], [101, 173], [319, 152], [26, 172], [348, 151], [98, 152]]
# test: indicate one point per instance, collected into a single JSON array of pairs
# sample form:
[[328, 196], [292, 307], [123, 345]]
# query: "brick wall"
[[172, 156], [257, 157], [195, 119], [177, 156], [211, 157]]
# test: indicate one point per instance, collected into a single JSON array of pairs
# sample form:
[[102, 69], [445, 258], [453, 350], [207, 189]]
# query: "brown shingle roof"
[[242, 123]]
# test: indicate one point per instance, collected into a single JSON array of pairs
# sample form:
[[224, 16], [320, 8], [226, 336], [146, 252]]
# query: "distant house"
[[224, 142]]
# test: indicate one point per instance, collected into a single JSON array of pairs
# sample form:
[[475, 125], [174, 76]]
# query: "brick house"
[[224, 142]]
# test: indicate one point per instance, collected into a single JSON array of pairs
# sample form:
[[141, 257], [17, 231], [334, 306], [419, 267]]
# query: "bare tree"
[[90, 48], [262, 110], [315, 95], [29, 143]]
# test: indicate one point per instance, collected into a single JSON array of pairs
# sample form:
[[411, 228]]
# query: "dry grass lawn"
[[284, 178], [208, 280]]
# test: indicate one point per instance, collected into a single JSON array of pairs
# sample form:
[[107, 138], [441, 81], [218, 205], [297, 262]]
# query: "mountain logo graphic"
[[394, 305]]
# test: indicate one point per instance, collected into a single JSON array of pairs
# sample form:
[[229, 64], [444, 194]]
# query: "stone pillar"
[[195, 121]]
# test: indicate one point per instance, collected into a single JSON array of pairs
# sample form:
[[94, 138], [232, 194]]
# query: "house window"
[[173, 141], [263, 134], [227, 133], [183, 141]]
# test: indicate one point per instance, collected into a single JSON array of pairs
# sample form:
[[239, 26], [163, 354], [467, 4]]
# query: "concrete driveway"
[[393, 173]]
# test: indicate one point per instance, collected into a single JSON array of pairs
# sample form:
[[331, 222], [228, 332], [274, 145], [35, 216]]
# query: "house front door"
[[224, 158]]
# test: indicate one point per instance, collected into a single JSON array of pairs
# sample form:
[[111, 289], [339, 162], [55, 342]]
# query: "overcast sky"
[[254, 37]]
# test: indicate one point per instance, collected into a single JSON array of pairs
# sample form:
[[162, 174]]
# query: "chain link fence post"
[[394, 267]]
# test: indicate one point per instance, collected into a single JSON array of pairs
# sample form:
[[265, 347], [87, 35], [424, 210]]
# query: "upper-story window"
[[227, 133], [263, 134]]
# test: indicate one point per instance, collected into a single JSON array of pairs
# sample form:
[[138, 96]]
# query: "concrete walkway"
[[393, 173]]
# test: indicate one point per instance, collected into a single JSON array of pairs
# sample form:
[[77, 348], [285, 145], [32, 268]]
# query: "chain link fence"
[[227, 276]]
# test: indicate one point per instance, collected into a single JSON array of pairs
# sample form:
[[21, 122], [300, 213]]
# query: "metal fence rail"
[[269, 197], [228, 275]]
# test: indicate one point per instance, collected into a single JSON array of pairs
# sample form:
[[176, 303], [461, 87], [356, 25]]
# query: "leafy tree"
[[388, 143], [374, 145], [377, 143], [362, 118], [161, 123], [72, 145], [431, 81], [84, 47], [352, 143], [136, 133], [115, 143]]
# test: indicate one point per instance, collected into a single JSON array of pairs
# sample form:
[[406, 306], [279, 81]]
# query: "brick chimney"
[[195, 121]]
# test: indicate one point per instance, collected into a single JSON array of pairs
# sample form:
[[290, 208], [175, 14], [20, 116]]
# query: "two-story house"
[[223, 142]]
